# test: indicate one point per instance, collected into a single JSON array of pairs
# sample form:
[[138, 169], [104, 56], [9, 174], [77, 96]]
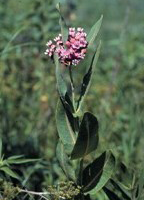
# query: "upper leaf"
[[64, 28], [69, 110], [87, 140], [87, 77], [94, 31], [61, 85]]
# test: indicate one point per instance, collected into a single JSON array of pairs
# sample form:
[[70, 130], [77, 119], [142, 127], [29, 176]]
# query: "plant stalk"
[[72, 87]]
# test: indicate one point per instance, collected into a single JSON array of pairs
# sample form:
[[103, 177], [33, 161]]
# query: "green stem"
[[81, 171], [72, 87]]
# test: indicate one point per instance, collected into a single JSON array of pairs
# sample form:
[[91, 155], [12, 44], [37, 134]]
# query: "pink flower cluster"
[[72, 51]]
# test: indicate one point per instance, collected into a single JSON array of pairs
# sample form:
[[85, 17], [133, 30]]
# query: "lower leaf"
[[65, 162], [105, 172]]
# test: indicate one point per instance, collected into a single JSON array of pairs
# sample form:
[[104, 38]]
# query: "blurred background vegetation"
[[28, 95]]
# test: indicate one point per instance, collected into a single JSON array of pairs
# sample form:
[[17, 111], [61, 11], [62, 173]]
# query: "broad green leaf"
[[0, 148], [94, 31], [106, 172], [61, 85], [9, 172], [87, 77], [92, 173], [111, 195], [65, 162], [87, 140], [68, 103], [69, 110], [65, 131], [64, 28]]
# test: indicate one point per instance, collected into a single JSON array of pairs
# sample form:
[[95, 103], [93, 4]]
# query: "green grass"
[[27, 84]]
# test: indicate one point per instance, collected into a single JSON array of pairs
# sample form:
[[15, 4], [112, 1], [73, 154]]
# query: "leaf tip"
[[58, 6]]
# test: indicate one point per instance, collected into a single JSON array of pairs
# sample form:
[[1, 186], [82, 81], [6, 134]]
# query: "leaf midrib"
[[97, 175]]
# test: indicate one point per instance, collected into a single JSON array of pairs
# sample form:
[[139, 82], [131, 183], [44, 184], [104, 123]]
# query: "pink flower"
[[74, 49]]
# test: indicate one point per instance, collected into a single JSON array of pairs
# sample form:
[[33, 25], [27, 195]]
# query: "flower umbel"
[[74, 49]]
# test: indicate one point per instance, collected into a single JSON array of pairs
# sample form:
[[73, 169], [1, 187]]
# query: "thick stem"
[[71, 77], [76, 120], [81, 171], [72, 87]]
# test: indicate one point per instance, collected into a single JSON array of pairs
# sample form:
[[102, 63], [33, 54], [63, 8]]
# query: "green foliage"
[[5, 164], [94, 31], [107, 172], [64, 128], [92, 173], [0, 148], [87, 139], [28, 96], [64, 29], [94, 177], [62, 88], [65, 163], [87, 78], [111, 195]]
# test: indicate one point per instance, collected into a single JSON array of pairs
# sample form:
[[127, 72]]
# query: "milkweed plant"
[[78, 131]]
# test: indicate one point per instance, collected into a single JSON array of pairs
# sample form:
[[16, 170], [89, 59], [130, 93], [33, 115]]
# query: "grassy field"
[[28, 95]]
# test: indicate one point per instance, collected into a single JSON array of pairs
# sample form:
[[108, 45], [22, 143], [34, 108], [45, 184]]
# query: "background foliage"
[[28, 94]]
